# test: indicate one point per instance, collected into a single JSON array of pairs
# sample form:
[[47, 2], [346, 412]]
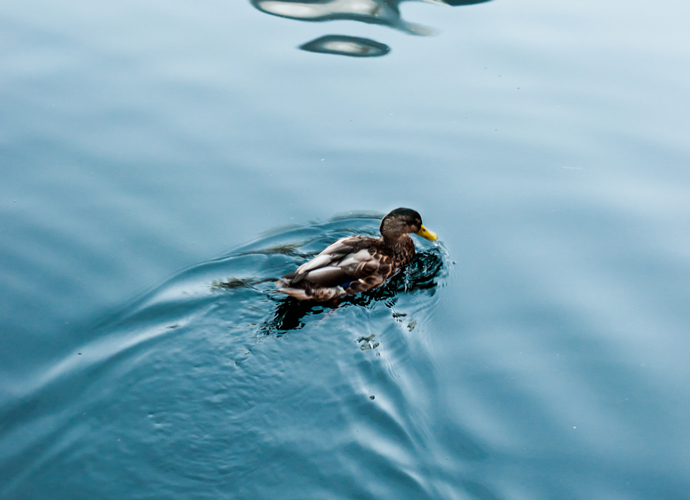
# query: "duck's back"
[[350, 265]]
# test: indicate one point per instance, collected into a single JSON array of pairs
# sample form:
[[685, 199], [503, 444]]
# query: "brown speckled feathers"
[[357, 263]]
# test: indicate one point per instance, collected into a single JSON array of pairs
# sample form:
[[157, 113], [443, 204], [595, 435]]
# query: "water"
[[163, 162]]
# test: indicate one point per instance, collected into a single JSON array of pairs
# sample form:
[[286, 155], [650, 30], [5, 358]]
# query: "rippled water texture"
[[214, 382], [162, 163]]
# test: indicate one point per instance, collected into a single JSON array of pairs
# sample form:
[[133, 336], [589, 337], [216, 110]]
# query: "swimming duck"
[[357, 263]]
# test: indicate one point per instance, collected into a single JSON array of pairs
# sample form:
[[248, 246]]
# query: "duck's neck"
[[398, 242], [402, 249]]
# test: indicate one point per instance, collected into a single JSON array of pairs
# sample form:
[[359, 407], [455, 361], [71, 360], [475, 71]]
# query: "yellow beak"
[[425, 233]]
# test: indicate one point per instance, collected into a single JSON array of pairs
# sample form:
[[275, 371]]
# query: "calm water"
[[161, 163]]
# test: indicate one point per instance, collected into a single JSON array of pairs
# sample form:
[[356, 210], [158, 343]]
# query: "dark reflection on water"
[[382, 12], [458, 3], [346, 46]]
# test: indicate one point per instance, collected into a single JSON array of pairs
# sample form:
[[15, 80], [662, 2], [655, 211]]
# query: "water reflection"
[[346, 46], [383, 12], [200, 375]]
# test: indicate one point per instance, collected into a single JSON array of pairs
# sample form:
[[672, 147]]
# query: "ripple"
[[214, 379]]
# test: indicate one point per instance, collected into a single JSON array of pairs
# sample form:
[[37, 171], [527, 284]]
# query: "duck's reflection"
[[383, 12]]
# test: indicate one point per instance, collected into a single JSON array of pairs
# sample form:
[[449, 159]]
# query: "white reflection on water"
[[383, 12]]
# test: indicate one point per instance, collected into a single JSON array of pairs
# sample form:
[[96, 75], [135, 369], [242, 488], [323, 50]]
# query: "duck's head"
[[404, 220]]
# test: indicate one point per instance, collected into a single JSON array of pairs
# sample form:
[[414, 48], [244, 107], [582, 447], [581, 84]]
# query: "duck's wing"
[[339, 263], [350, 265]]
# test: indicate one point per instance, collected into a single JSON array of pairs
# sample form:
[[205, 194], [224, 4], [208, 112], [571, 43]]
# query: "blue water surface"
[[163, 163]]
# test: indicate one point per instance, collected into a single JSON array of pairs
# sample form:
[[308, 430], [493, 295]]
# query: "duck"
[[356, 264]]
